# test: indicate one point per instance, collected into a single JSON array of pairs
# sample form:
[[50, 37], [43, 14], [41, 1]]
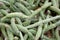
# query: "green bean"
[[23, 8], [16, 38], [10, 35], [30, 1], [33, 31], [16, 9], [47, 38], [40, 9], [1, 38], [46, 24], [4, 12], [27, 22], [19, 21], [16, 14], [3, 25], [55, 9], [57, 2], [39, 31], [29, 19], [57, 34], [26, 11], [32, 7], [13, 26], [54, 3], [12, 7], [23, 29], [25, 3], [37, 2], [46, 1], [29, 39], [1, 15], [42, 12], [53, 33], [21, 36], [53, 25], [4, 32], [25, 37], [3, 5], [43, 21], [5, 2], [38, 34], [11, 1]]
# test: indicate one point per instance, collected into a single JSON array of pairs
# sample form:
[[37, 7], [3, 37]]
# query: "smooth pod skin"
[[40, 9], [25, 30], [43, 21], [53, 25], [24, 9], [29, 19], [10, 34], [21, 36], [16, 14], [14, 27]]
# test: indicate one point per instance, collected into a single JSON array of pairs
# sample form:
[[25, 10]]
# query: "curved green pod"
[[16, 14]]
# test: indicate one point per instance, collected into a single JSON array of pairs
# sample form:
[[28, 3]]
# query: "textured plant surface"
[[29, 19]]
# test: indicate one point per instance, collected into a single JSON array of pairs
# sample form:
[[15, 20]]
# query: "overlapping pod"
[[29, 19]]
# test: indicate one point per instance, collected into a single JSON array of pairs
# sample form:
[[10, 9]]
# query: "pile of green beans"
[[29, 19]]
